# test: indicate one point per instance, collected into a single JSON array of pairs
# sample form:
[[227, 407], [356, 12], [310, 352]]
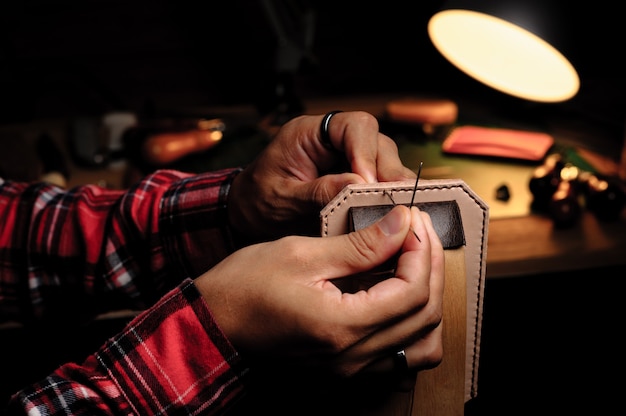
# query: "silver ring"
[[400, 363], [324, 134]]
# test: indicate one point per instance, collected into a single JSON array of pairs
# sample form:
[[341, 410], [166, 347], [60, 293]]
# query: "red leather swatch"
[[498, 142]]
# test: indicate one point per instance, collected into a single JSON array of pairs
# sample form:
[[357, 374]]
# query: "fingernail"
[[371, 178], [392, 222]]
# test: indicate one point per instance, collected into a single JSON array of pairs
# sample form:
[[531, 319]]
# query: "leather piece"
[[335, 220], [445, 215]]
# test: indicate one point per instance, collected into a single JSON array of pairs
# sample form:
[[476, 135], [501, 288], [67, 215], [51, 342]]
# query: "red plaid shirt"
[[100, 250]]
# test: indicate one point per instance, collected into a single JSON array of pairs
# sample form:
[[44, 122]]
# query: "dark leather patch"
[[445, 215]]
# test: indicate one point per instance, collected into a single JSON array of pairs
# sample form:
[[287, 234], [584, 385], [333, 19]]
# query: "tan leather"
[[434, 111], [467, 263]]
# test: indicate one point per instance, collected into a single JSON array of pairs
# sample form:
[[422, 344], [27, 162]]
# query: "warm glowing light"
[[569, 172], [503, 56]]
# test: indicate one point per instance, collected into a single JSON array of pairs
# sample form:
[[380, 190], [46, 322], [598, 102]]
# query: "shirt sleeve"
[[171, 359], [88, 250]]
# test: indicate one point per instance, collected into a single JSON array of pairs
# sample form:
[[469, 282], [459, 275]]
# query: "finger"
[[437, 258], [424, 353], [430, 252], [388, 163], [427, 351], [356, 134], [428, 255]]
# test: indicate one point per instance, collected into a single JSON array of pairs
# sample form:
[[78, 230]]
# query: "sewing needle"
[[419, 171]]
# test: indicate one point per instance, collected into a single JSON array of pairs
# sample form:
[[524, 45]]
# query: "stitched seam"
[[481, 282]]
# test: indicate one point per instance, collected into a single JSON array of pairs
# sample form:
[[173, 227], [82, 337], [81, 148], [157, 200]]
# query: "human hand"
[[283, 190], [276, 300]]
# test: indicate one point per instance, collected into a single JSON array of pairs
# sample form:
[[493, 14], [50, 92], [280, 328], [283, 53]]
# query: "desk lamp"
[[503, 45]]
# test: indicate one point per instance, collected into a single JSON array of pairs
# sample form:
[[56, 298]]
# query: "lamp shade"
[[505, 46]]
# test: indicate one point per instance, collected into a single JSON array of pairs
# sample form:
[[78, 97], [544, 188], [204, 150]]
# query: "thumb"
[[365, 249]]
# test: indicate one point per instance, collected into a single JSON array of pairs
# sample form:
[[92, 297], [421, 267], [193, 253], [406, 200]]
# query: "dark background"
[[550, 342], [75, 57]]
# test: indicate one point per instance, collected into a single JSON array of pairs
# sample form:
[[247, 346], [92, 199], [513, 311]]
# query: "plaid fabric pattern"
[[107, 249], [87, 250], [147, 368]]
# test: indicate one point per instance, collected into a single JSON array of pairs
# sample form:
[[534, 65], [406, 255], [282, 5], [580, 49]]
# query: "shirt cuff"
[[173, 354]]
